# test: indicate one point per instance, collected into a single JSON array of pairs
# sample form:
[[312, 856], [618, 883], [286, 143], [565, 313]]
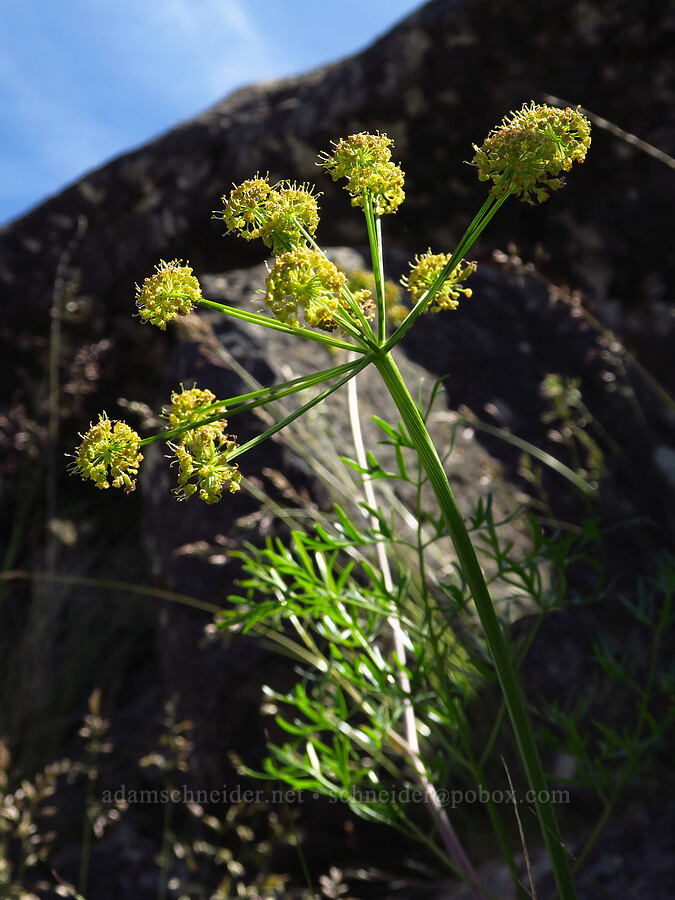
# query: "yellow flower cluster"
[[245, 209], [282, 215], [188, 407], [109, 453], [529, 151], [203, 451], [304, 279], [172, 291], [424, 271], [203, 466], [365, 161]]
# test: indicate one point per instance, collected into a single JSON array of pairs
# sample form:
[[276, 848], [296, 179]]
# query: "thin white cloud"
[[198, 20], [54, 124], [190, 53], [74, 103]]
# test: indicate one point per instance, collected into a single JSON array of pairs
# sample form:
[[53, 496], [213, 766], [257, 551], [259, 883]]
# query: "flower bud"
[[172, 291]]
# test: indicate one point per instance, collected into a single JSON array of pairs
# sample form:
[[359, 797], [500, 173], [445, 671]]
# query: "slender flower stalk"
[[374, 228], [469, 238], [328, 340], [356, 301]]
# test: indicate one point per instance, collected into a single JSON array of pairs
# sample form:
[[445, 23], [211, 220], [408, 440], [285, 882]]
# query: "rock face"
[[436, 83]]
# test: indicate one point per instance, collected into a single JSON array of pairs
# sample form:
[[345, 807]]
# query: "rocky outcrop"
[[436, 83]]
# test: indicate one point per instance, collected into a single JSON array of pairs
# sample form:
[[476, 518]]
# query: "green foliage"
[[620, 730], [320, 597]]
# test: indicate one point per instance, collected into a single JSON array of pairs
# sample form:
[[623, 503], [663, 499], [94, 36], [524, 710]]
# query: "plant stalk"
[[499, 649]]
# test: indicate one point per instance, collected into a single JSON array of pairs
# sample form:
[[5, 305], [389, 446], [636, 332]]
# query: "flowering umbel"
[[283, 215], [529, 151], [304, 279], [172, 291], [245, 210], [293, 214], [424, 271], [204, 468], [189, 407], [365, 161], [109, 454], [203, 451]]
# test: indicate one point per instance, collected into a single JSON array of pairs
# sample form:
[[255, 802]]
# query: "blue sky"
[[84, 80]]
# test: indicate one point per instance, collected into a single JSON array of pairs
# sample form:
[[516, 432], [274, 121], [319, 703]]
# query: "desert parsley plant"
[[306, 295]]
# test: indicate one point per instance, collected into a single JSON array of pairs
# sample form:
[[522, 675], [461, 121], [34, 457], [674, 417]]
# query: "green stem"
[[279, 426], [440, 817], [368, 337], [373, 225], [232, 406], [498, 646], [471, 235], [447, 692], [269, 322]]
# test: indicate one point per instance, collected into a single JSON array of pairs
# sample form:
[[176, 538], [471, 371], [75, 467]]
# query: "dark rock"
[[436, 83]]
